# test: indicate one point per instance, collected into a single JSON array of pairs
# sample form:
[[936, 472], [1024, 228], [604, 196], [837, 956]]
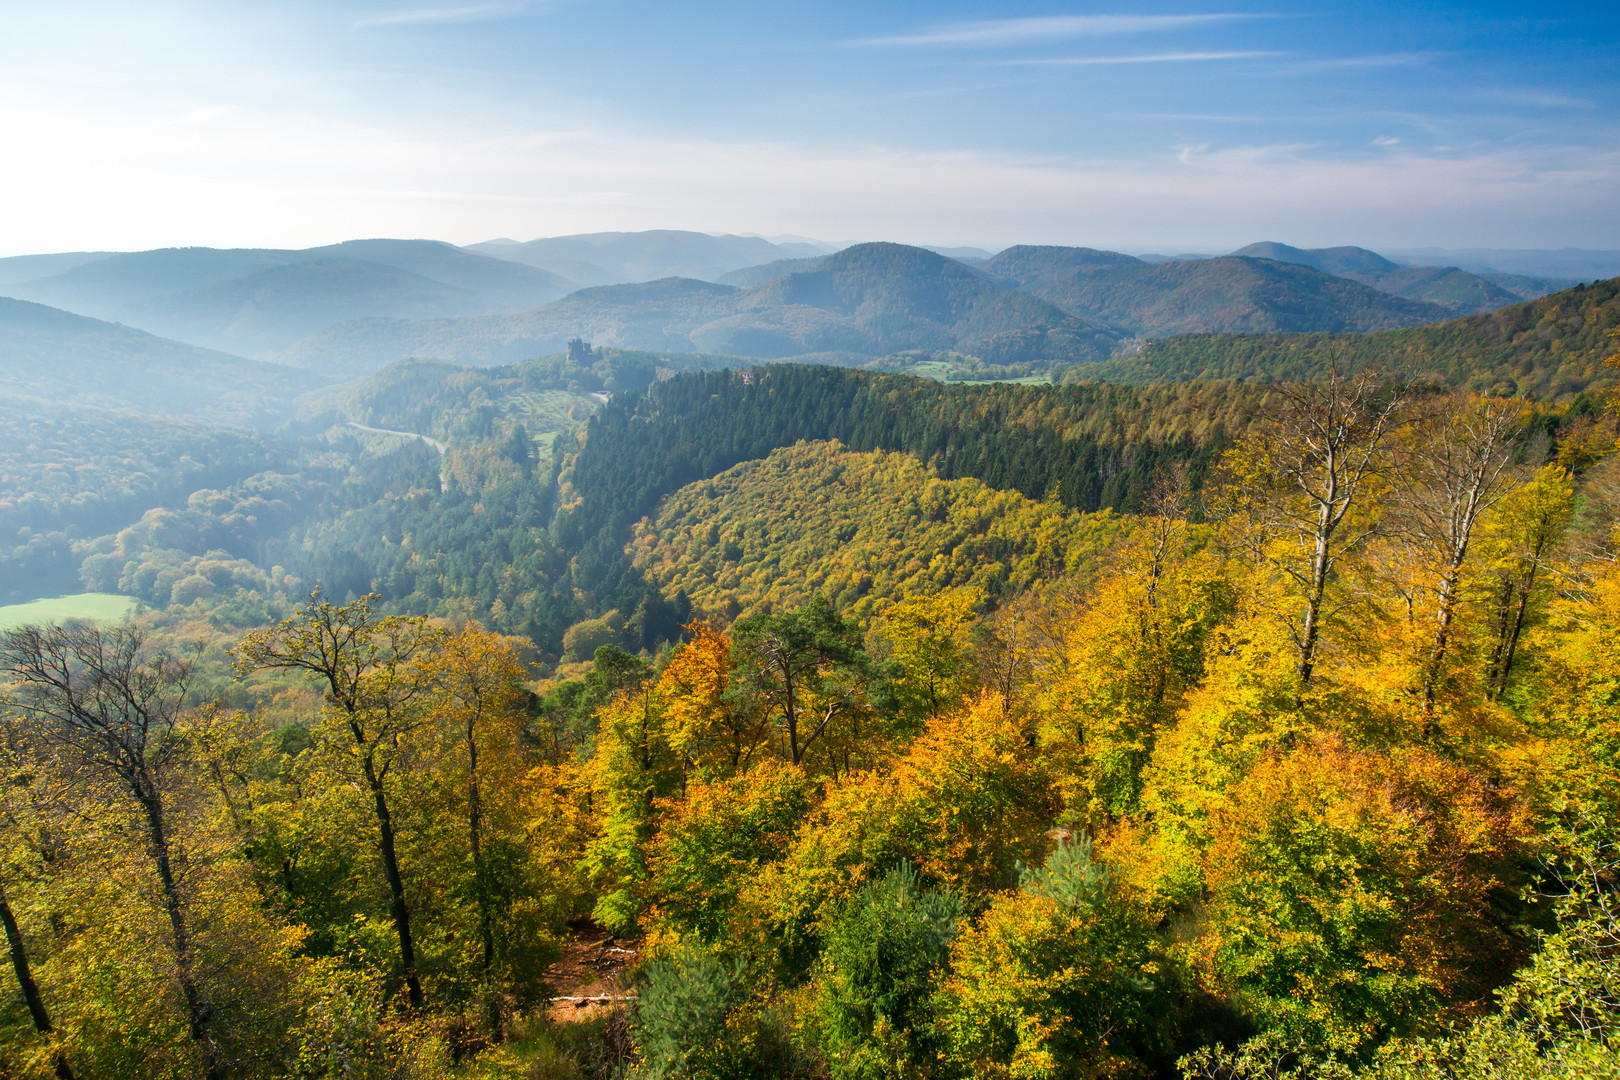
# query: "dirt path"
[[589, 979]]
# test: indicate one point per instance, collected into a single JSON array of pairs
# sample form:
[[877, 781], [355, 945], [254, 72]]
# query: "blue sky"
[[1172, 127]]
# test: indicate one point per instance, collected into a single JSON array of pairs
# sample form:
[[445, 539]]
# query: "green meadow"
[[56, 609]]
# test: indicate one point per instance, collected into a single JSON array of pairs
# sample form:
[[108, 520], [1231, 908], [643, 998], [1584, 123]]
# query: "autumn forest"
[[815, 722]]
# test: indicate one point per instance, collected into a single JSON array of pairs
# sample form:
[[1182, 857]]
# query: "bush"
[[1070, 878], [686, 995], [878, 972]]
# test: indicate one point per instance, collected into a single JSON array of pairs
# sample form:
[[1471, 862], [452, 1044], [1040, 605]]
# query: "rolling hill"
[[816, 517], [65, 359], [749, 276], [1232, 294], [254, 301], [1551, 348], [1346, 261], [867, 301], [628, 257], [273, 308], [17, 268], [1448, 286]]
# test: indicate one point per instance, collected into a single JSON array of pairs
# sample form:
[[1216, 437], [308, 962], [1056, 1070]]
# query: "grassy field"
[[103, 606], [548, 413]]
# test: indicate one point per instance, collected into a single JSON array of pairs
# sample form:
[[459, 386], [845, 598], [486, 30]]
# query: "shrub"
[[878, 971]]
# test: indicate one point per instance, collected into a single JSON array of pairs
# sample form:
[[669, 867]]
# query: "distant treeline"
[[1551, 349]]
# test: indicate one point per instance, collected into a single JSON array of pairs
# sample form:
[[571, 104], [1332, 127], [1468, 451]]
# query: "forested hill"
[[1448, 286], [864, 530], [253, 301], [911, 298], [866, 301], [1229, 295], [1087, 446], [65, 359], [1552, 348]]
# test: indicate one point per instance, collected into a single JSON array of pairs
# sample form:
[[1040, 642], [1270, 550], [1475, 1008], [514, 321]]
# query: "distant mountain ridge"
[[1029, 309], [61, 358], [1570, 264], [749, 276], [1231, 294], [1450, 287], [257, 300], [868, 300], [620, 258]]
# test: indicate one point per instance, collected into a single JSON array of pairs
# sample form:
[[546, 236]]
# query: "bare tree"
[[1166, 513], [1453, 465], [106, 707], [1306, 479], [365, 661]]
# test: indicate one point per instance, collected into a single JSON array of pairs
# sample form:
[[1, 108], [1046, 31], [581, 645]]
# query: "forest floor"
[[588, 981]]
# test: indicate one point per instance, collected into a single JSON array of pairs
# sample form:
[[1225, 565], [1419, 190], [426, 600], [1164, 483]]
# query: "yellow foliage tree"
[[1350, 890]]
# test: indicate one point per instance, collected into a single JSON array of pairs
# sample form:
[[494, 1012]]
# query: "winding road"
[[435, 443]]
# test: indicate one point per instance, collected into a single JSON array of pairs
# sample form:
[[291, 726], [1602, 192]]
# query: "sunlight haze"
[[1191, 127]]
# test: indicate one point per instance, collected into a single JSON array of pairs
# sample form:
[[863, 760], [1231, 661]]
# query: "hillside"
[[1448, 286], [890, 298], [654, 316], [750, 276], [1551, 348], [626, 257], [864, 530], [67, 475], [65, 359], [255, 301], [867, 301], [548, 395], [1087, 447], [17, 268], [1221, 295], [273, 308]]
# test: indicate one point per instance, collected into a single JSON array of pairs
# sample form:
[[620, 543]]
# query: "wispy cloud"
[[416, 16], [1371, 60], [1051, 28], [113, 183], [1141, 58]]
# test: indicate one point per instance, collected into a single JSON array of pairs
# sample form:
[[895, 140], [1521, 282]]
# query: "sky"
[[1171, 127]]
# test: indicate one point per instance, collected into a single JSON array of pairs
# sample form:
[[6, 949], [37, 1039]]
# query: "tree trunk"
[[25, 979], [475, 826], [1514, 629], [1313, 601], [1442, 637], [198, 1013], [792, 719], [1502, 620], [396, 886]]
